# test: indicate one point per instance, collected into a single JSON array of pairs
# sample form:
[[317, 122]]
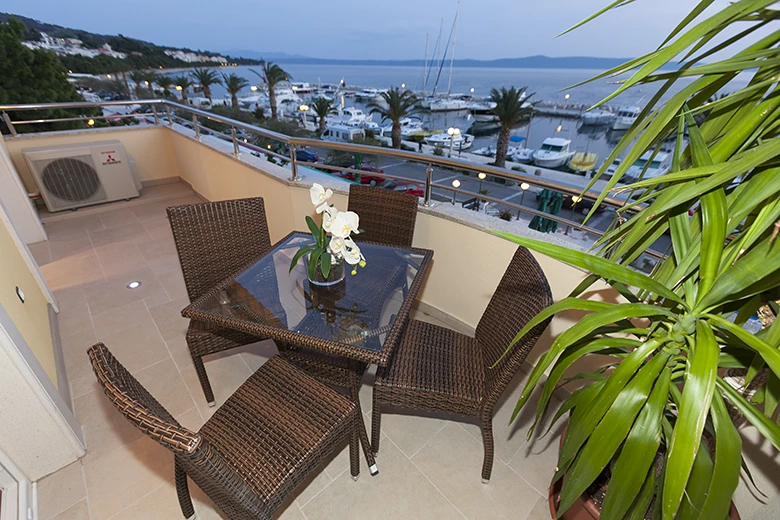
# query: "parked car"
[[366, 178], [302, 154], [405, 187]]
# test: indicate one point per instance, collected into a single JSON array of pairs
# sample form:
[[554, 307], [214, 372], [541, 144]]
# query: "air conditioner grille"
[[71, 179]]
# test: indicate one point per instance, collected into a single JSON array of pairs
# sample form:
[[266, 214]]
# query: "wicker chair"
[[277, 428], [386, 216], [215, 240], [437, 369]]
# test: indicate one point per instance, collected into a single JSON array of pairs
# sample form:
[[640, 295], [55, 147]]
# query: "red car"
[[406, 187], [367, 178]]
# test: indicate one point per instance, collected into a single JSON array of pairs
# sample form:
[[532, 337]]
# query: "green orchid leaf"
[[694, 407], [316, 231], [314, 261], [325, 262], [299, 254]]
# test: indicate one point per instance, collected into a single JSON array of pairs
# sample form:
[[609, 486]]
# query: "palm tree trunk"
[[396, 134], [184, 96], [323, 125], [272, 100], [207, 92], [502, 146], [234, 100]]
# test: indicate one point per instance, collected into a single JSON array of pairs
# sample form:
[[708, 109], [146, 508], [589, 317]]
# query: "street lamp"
[[524, 186], [566, 97], [481, 177], [108, 76], [178, 87], [303, 109], [91, 122], [403, 85], [452, 132], [574, 200], [253, 88], [472, 90], [455, 184]]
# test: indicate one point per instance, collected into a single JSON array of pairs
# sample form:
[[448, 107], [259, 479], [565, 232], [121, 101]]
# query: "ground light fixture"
[[134, 284], [455, 184]]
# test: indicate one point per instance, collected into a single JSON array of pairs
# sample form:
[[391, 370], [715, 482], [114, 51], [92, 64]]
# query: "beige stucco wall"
[[148, 146], [32, 316]]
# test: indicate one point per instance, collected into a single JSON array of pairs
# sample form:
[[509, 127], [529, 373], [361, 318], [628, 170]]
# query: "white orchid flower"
[[337, 247], [344, 223], [328, 219], [319, 196], [352, 254]]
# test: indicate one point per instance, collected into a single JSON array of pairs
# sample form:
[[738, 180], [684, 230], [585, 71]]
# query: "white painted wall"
[[14, 197]]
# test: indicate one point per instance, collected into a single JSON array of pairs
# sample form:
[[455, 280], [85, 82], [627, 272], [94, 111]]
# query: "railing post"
[[428, 185], [9, 123], [168, 113], [156, 117], [294, 164], [236, 152], [196, 126]]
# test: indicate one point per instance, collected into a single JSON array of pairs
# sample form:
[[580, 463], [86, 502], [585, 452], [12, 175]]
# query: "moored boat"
[[582, 162], [598, 116], [625, 118], [553, 153], [523, 155]]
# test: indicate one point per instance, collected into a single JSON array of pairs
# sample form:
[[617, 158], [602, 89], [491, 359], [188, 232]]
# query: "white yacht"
[[488, 151], [348, 116], [625, 118], [448, 105], [302, 88], [553, 153], [483, 111], [408, 127], [598, 116], [459, 142], [660, 165], [369, 94], [523, 155]]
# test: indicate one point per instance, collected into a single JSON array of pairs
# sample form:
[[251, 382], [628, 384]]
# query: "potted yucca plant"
[[655, 427]]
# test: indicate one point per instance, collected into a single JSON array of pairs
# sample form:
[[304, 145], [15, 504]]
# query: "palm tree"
[[143, 80], [182, 83], [323, 107], [397, 104], [206, 78], [272, 74], [165, 83], [510, 111], [234, 84]]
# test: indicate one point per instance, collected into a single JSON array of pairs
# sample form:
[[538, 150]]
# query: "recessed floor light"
[[133, 285]]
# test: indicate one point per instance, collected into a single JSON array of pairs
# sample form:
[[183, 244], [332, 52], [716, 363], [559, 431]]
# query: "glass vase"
[[337, 274]]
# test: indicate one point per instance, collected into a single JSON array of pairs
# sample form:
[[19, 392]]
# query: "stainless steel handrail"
[[294, 143]]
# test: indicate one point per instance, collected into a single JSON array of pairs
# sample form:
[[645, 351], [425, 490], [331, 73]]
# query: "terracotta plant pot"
[[584, 508]]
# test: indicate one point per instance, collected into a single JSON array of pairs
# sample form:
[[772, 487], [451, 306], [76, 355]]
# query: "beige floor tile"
[[169, 319], [399, 491], [67, 249], [72, 296], [71, 227], [180, 352], [191, 419], [256, 354], [79, 511], [105, 429], [41, 252], [161, 503], [166, 267], [74, 351], [60, 490], [159, 228], [452, 460], [541, 510], [117, 218], [159, 251], [126, 317], [83, 385], [126, 475], [226, 372], [317, 481], [137, 349], [409, 430], [157, 299], [164, 382], [73, 272], [536, 460], [120, 258], [112, 293], [173, 282], [132, 231], [73, 317]]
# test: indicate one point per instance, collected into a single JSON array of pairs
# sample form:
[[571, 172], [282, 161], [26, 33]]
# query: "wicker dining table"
[[361, 318]]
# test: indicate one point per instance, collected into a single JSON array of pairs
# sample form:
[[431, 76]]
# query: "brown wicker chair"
[[277, 428], [386, 216], [437, 369], [215, 240]]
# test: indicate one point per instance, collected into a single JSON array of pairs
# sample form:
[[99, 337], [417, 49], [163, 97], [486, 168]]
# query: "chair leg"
[[183, 490], [376, 424], [354, 450], [204, 380], [355, 391], [487, 463]]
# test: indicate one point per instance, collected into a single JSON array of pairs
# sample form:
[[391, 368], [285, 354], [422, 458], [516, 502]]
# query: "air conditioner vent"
[[72, 176], [71, 179]]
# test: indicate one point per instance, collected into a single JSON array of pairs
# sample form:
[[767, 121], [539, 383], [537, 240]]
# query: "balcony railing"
[[166, 112]]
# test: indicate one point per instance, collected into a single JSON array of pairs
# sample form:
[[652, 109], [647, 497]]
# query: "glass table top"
[[358, 312]]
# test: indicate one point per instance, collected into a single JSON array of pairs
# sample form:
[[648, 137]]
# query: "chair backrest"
[[193, 453], [138, 405], [386, 216], [216, 239], [521, 294]]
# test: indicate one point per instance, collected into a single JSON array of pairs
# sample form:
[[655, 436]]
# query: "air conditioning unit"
[[73, 176]]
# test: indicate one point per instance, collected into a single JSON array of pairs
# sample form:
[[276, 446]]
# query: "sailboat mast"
[[438, 52], [425, 65], [452, 53]]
